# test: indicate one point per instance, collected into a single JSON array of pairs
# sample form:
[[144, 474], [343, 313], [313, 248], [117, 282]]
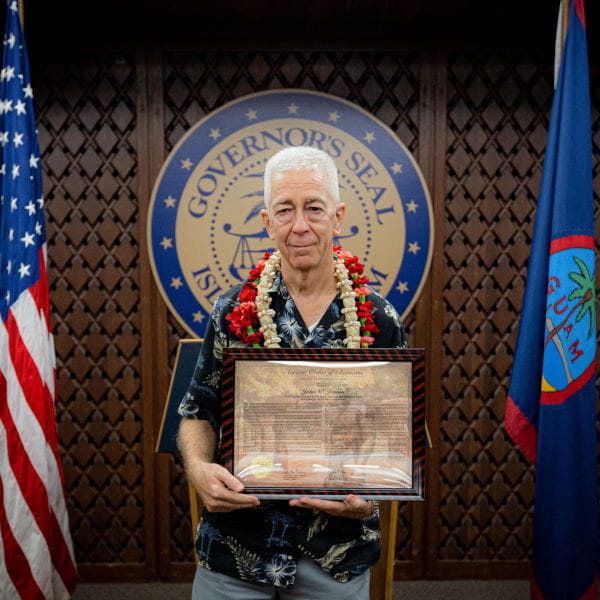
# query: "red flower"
[[254, 338], [364, 309], [247, 314], [241, 318], [249, 292], [343, 254], [258, 269], [370, 327], [362, 291]]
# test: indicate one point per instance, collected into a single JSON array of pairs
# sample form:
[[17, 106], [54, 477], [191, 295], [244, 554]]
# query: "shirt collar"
[[278, 286]]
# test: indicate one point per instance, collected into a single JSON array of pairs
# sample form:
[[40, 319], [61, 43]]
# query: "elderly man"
[[304, 548]]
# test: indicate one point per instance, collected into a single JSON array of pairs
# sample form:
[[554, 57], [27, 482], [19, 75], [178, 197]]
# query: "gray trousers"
[[312, 583]]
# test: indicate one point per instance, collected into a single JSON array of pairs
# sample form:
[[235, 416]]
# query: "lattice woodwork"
[[497, 109], [385, 84], [86, 120]]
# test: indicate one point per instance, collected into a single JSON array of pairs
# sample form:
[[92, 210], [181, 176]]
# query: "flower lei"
[[252, 320]]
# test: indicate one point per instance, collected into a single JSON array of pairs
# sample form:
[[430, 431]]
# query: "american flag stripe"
[[36, 554], [13, 558], [34, 465], [32, 469], [20, 540], [32, 314], [29, 392], [28, 351]]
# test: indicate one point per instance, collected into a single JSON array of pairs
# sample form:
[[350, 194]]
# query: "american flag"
[[36, 554]]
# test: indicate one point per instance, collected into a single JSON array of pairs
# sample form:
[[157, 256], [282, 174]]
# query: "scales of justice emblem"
[[204, 227]]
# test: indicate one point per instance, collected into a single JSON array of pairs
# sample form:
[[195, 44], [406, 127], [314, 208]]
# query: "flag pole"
[[562, 24], [22, 13], [564, 20]]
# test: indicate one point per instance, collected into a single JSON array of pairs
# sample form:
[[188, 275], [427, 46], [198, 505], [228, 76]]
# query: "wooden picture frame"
[[325, 422]]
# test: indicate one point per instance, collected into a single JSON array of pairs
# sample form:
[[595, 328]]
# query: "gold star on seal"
[[396, 168], [414, 247], [402, 287], [176, 282], [167, 243], [198, 317], [412, 206], [186, 164], [170, 202]]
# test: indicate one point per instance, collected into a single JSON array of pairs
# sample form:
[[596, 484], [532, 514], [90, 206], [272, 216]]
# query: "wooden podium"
[[382, 573]]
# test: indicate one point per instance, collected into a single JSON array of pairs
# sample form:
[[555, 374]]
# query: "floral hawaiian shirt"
[[263, 544]]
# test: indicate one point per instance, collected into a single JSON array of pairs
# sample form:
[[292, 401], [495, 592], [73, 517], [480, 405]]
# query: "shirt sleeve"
[[202, 399], [391, 329]]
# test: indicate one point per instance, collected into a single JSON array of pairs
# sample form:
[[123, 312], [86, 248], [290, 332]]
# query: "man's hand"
[[218, 489], [353, 507]]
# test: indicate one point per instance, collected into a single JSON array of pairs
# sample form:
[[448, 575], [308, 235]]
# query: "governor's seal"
[[204, 226]]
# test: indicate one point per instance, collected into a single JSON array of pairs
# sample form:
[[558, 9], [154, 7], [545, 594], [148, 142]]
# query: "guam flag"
[[551, 408]]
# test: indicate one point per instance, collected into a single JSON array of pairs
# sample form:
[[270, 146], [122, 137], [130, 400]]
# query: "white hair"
[[302, 158]]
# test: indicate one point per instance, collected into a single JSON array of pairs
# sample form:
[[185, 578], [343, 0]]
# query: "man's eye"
[[315, 212]]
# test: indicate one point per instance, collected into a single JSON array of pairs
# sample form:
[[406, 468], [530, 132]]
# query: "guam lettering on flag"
[[551, 408]]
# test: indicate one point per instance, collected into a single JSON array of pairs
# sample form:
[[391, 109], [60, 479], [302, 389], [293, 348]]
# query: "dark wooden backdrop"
[[476, 120]]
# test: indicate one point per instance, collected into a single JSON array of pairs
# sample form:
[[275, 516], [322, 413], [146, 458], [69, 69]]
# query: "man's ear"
[[340, 211], [266, 222]]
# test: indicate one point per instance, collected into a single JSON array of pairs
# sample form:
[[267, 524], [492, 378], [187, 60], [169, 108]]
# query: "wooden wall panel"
[[496, 130], [477, 123], [87, 125]]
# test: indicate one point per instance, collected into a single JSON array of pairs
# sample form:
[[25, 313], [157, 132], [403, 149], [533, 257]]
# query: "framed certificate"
[[325, 422]]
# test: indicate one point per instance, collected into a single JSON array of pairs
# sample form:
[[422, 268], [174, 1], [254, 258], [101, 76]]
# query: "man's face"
[[302, 217]]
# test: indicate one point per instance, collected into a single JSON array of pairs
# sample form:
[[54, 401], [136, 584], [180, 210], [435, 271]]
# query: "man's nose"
[[300, 222]]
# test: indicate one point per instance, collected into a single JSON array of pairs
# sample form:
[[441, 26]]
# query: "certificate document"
[[323, 427]]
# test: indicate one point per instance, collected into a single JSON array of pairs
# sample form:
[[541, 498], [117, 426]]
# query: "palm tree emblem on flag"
[[569, 345]]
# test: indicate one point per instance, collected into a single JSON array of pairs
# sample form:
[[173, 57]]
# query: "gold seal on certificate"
[[325, 422], [261, 466]]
